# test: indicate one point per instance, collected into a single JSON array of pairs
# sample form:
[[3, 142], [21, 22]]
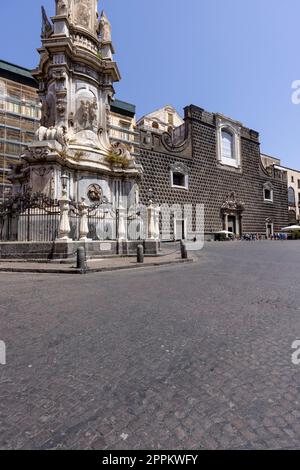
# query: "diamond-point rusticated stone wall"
[[209, 181]]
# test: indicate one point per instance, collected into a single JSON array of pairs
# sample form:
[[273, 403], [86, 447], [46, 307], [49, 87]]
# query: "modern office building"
[[19, 117]]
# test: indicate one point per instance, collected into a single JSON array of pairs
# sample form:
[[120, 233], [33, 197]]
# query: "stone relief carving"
[[83, 9], [59, 75], [87, 115], [232, 203], [94, 193], [179, 167], [37, 153], [61, 107]]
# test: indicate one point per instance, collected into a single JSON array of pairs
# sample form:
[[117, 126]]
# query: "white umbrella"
[[225, 232], [292, 228]]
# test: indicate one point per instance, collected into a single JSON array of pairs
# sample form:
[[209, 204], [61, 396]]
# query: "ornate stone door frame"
[[232, 208], [269, 228]]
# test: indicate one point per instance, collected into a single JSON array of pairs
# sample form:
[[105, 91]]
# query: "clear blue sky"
[[237, 57]]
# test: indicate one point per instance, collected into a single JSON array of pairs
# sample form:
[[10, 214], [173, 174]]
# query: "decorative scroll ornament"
[[172, 146], [22, 201]]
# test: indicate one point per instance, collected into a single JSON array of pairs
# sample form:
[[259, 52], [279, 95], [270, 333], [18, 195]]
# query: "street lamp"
[[150, 195], [64, 180]]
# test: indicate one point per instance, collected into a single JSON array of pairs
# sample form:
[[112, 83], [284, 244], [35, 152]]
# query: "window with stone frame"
[[228, 142], [268, 192], [291, 197], [179, 176]]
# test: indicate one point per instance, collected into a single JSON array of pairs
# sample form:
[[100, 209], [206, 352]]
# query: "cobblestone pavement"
[[178, 357]]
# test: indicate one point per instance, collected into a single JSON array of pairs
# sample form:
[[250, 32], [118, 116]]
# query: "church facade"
[[215, 161]]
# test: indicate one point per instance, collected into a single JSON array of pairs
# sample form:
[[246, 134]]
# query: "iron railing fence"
[[30, 217], [33, 217]]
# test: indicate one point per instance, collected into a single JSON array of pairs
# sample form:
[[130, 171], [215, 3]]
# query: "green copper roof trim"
[[16, 70], [119, 106]]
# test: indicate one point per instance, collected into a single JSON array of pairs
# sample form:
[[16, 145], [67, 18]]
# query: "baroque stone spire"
[[76, 75]]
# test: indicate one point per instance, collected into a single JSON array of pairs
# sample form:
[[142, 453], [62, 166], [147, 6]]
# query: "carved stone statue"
[[104, 28], [62, 7], [93, 107], [83, 115]]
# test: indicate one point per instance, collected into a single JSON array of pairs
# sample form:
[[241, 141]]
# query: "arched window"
[[291, 197], [268, 192], [227, 144], [155, 125]]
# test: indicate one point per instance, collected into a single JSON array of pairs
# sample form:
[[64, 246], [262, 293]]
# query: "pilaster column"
[[226, 222]]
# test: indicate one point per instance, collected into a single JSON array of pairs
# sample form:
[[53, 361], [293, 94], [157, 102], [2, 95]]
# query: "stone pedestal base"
[[66, 250]]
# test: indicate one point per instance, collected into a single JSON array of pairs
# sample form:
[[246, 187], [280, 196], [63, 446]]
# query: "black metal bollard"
[[81, 261], [184, 253], [140, 254]]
